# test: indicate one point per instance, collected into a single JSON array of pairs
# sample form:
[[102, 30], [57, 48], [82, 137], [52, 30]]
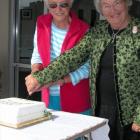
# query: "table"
[[63, 126]]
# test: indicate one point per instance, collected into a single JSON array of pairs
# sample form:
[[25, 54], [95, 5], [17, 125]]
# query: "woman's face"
[[115, 11], [59, 9]]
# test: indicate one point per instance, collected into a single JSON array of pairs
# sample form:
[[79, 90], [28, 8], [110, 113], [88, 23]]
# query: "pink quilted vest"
[[73, 98]]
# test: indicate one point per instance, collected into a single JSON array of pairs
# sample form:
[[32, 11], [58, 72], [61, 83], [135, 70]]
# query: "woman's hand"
[[63, 81], [136, 127], [32, 84]]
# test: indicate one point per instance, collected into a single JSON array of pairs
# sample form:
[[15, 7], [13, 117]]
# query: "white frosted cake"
[[15, 111]]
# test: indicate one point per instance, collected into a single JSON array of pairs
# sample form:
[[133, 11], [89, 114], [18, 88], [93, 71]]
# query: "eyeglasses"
[[62, 5], [117, 5]]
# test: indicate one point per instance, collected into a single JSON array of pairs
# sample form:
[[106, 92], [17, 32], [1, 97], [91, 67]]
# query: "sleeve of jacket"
[[35, 55], [80, 74], [137, 117], [66, 63]]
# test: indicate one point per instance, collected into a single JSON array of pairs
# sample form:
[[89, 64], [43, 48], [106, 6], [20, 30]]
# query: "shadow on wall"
[[134, 10], [85, 11], [0, 81]]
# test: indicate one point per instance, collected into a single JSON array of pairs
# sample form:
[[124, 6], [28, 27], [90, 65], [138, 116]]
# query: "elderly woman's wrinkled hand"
[[32, 84], [136, 127]]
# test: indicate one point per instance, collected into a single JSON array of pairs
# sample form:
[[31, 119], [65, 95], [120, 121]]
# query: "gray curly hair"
[[97, 4], [71, 2]]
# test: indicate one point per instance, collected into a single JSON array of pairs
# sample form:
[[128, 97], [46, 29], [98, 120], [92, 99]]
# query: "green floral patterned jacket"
[[127, 66]]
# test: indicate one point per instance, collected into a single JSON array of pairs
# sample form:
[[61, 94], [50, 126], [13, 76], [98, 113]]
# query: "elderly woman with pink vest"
[[57, 32]]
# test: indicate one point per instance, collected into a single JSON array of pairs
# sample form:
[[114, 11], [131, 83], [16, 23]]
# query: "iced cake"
[[16, 111]]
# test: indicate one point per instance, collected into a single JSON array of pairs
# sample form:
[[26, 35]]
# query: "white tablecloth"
[[63, 126]]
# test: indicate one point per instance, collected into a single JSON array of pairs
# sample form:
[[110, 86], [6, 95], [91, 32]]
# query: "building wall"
[[4, 43]]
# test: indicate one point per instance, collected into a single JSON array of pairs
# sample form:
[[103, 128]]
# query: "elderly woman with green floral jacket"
[[113, 48]]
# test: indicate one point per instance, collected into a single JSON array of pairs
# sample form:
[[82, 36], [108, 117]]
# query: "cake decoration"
[[17, 112]]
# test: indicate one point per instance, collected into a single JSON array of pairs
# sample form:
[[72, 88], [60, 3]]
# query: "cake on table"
[[17, 112]]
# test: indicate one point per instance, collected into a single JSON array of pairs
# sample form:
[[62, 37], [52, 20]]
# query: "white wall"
[[4, 39]]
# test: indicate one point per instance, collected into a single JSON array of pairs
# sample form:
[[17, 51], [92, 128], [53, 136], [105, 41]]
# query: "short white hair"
[[98, 8]]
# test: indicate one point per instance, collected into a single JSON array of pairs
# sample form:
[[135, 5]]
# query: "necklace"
[[114, 34]]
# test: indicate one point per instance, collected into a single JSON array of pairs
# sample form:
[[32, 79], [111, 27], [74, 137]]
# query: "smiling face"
[[59, 9], [115, 11]]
